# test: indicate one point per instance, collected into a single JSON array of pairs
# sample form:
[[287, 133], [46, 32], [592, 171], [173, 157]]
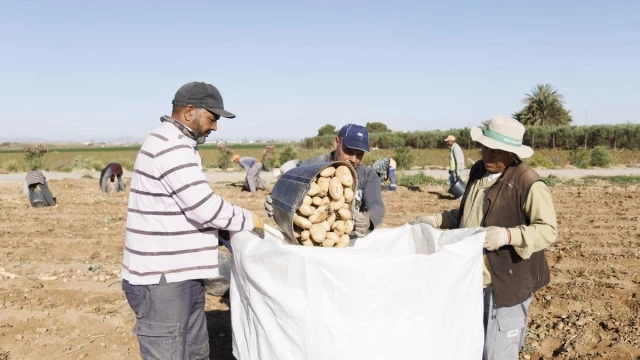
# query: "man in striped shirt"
[[172, 229]]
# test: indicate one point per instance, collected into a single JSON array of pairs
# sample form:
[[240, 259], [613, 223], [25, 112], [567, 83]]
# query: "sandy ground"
[[62, 297]]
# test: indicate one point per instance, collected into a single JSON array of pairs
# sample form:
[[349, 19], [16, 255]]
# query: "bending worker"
[[386, 170], [511, 201], [37, 190], [253, 167], [350, 145], [108, 176]]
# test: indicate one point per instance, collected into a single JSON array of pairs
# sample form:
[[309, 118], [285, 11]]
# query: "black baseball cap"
[[201, 95]]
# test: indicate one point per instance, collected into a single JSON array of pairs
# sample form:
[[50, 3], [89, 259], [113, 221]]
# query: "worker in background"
[[386, 170], [37, 190], [108, 177], [253, 168]]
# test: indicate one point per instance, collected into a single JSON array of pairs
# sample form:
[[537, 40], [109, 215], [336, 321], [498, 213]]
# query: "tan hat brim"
[[522, 151]]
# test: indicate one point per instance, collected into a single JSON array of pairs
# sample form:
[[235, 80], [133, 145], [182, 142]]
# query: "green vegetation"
[[403, 158], [268, 158], [543, 106], [580, 158], [289, 153], [600, 157], [419, 179]]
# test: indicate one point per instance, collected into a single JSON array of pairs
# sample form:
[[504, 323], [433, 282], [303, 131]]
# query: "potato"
[[307, 242], [319, 215], [317, 200], [326, 200], [332, 218], [344, 214], [348, 227], [332, 235], [344, 174], [343, 242], [318, 233], [335, 189], [338, 227], [296, 234], [302, 222], [306, 210], [305, 235], [346, 206], [328, 172], [313, 189], [326, 225], [337, 204], [307, 200], [348, 195], [323, 184]]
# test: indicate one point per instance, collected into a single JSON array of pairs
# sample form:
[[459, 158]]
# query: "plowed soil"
[[60, 294]]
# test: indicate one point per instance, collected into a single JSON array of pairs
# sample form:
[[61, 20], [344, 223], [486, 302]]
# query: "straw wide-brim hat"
[[450, 138], [503, 133], [235, 157]]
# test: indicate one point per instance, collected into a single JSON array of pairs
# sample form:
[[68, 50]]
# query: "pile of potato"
[[324, 218]]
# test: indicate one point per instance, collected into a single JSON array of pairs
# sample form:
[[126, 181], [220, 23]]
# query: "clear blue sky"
[[92, 70]]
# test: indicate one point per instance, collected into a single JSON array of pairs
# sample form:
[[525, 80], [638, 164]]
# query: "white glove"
[[496, 238], [361, 224], [268, 206], [426, 219]]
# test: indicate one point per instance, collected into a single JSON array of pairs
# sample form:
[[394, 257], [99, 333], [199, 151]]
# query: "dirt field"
[[65, 301]]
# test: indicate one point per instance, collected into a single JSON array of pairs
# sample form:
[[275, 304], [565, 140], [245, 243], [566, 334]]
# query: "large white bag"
[[411, 292]]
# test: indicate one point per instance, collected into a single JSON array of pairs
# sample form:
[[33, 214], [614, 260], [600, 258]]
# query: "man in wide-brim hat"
[[511, 201]]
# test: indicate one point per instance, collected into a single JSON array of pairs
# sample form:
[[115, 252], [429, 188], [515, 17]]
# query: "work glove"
[[361, 224], [268, 206], [258, 226], [426, 219], [496, 238]]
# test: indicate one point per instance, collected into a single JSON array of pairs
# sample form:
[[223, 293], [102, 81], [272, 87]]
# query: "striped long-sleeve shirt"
[[174, 216]]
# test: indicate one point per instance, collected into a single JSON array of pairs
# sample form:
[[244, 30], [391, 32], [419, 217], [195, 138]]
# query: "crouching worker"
[[37, 190], [253, 167], [514, 205], [108, 178], [386, 170]]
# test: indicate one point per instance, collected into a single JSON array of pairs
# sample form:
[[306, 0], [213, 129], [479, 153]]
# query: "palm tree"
[[543, 106]]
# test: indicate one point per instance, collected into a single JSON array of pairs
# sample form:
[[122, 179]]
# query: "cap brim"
[[221, 112], [356, 144], [522, 151]]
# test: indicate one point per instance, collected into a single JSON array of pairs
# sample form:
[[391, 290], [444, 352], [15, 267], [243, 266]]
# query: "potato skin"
[[313, 189], [344, 214], [328, 171], [335, 189], [344, 174], [302, 222], [348, 195], [318, 233]]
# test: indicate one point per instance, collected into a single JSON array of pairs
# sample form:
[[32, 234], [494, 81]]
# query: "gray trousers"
[[253, 177], [504, 328], [170, 319]]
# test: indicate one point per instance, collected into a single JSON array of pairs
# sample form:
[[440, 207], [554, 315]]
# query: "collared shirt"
[[174, 216], [525, 239]]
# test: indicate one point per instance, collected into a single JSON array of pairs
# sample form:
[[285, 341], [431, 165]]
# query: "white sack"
[[411, 292]]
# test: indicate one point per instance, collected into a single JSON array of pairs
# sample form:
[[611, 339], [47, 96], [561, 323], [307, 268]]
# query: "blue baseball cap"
[[355, 137]]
